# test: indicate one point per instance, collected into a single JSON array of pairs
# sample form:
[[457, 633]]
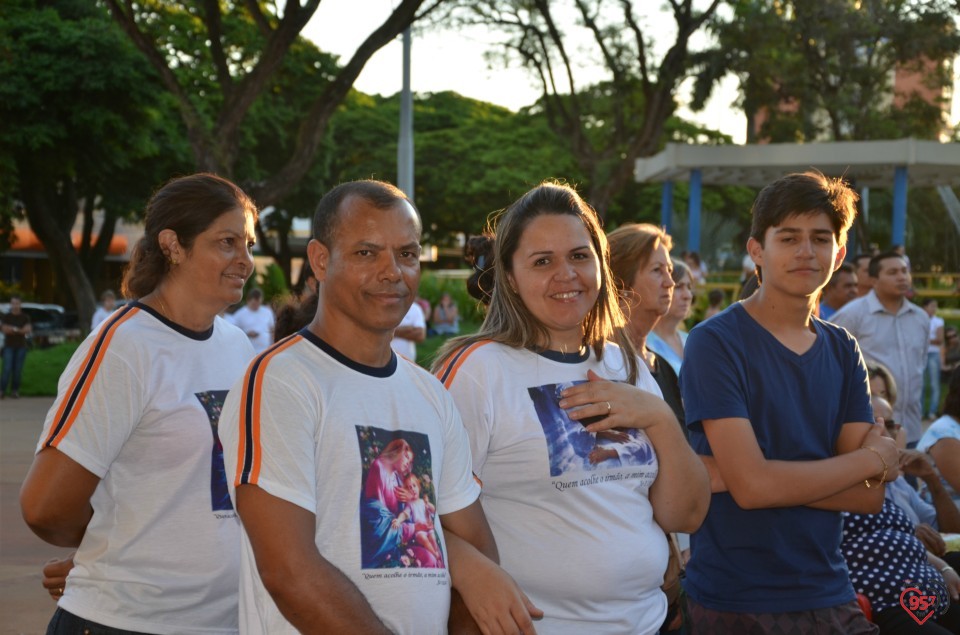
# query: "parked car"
[[48, 321]]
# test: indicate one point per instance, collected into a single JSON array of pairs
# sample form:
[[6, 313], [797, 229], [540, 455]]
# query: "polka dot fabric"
[[885, 557]]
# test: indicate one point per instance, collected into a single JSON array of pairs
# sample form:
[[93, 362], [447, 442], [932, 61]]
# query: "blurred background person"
[[446, 317], [715, 298], [298, 310], [882, 383], [942, 440], [256, 320], [939, 515], [698, 268], [412, 331], [747, 268], [108, 303], [949, 353], [669, 333], [840, 289], [931, 372], [861, 263], [16, 329]]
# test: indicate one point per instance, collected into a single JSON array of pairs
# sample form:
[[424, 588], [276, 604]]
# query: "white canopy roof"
[[868, 163]]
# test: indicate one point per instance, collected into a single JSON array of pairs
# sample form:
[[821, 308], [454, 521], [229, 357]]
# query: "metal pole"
[[405, 143], [899, 206], [666, 206], [693, 211]]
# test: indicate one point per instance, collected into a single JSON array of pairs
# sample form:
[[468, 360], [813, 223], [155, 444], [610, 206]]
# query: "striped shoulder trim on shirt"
[[77, 393], [449, 370], [248, 447]]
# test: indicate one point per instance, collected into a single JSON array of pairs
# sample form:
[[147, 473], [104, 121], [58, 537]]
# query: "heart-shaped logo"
[[919, 606]]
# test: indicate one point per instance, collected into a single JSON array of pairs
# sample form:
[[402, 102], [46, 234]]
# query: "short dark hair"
[[874, 268], [859, 257], [844, 267], [188, 205], [804, 193], [380, 194], [928, 301], [255, 294]]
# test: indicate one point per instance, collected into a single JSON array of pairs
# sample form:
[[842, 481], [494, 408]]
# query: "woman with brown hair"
[[643, 271], [129, 467], [581, 461]]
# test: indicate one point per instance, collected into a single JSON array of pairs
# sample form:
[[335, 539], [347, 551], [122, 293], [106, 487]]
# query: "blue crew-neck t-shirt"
[[786, 558]]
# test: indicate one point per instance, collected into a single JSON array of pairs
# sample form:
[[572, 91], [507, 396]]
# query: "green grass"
[[427, 350], [43, 367]]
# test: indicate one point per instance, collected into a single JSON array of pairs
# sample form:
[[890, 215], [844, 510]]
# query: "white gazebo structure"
[[898, 163]]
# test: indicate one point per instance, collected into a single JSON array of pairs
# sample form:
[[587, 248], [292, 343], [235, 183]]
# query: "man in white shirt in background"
[[256, 320], [931, 373], [412, 330], [893, 331]]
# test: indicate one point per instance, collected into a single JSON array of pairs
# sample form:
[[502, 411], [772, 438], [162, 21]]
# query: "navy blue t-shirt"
[[786, 558]]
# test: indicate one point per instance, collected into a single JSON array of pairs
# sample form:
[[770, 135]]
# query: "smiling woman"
[[563, 418], [129, 467]]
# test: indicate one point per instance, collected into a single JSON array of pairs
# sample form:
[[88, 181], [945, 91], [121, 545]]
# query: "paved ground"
[[25, 608]]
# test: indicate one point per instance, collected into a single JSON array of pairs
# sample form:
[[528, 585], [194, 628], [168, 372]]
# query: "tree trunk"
[[50, 225]]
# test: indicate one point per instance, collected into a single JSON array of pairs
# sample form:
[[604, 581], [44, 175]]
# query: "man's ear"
[[841, 254], [755, 249], [318, 256]]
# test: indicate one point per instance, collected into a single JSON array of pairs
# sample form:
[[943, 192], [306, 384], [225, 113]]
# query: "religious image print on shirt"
[[397, 501], [212, 402], [572, 449]]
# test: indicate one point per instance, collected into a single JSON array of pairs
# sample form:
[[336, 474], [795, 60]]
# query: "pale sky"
[[454, 61]]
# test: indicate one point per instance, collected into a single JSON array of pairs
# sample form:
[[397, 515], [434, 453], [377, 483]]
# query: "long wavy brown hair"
[[508, 320]]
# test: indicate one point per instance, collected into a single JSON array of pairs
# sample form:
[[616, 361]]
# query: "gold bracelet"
[[883, 477]]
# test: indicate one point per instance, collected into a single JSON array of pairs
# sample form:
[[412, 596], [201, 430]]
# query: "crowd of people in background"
[[567, 468]]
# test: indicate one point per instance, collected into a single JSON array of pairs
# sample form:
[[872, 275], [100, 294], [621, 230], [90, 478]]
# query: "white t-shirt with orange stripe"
[[312, 427], [570, 512], [138, 405]]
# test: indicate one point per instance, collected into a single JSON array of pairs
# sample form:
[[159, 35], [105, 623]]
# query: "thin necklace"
[[163, 307]]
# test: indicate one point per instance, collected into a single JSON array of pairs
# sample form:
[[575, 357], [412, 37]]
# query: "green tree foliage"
[[218, 59], [822, 70], [606, 125], [471, 157], [83, 126]]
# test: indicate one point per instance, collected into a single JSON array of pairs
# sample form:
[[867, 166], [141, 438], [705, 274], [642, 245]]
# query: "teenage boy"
[[778, 406], [320, 433]]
